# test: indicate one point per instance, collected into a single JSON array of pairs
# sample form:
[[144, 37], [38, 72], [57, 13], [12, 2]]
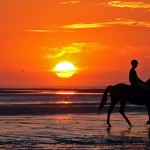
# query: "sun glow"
[[64, 102], [64, 69]]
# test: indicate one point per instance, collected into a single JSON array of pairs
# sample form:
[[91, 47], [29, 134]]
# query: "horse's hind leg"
[[112, 105], [122, 108]]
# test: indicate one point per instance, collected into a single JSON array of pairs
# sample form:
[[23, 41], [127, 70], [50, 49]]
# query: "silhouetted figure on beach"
[[137, 93], [134, 79]]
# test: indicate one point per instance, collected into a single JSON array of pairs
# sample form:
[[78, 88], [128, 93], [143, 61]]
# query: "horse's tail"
[[104, 98]]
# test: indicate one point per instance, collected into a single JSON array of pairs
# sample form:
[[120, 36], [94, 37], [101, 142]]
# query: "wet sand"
[[74, 131]]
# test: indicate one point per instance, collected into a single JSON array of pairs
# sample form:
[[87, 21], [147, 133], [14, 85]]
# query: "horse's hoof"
[[109, 125], [130, 124], [148, 123]]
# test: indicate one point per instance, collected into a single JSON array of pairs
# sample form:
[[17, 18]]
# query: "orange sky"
[[99, 37]]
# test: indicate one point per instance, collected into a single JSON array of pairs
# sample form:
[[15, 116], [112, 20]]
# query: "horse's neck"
[[148, 83]]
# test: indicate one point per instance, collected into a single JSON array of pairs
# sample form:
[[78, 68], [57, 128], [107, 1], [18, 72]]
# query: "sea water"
[[47, 101]]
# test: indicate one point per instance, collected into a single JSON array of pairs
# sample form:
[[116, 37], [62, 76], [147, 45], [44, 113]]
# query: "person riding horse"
[[137, 93], [134, 79]]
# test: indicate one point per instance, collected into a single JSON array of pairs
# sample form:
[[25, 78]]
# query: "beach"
[[74, 131], [45, 120]]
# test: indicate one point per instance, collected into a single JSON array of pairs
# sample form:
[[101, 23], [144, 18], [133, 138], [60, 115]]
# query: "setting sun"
[[64, 69]]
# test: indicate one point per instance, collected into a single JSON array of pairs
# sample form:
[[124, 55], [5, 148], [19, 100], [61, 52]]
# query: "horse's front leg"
[[148, 108], [148, 122]]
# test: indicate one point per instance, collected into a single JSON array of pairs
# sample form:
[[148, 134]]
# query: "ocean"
[[48, 101], [53, 101], [50, 96]]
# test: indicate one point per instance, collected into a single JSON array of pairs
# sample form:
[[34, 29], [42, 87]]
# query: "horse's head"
[[148, 82]]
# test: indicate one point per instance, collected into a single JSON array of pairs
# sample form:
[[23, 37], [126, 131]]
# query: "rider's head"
[[134, 63]]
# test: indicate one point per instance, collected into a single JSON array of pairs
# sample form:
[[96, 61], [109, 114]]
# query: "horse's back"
[[120, 91], [124, 92]]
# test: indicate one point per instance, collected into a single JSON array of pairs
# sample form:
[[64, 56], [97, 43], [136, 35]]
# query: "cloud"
[[66, 50], [73, 27], [120, 4], [48, 30], [83, 26], [40, 30], [118, 21], [65, 2], [73, 48]]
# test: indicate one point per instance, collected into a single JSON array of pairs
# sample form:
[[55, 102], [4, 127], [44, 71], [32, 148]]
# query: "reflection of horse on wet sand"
[[125, 93]]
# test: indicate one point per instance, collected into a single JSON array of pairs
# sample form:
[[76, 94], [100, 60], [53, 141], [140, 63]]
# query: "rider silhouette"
[[134, 79]]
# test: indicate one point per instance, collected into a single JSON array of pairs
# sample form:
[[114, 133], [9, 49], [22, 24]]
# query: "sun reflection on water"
[[66, 92], [64, 102]]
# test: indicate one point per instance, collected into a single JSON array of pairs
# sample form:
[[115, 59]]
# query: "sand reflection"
[[124, 132], [78, 131]]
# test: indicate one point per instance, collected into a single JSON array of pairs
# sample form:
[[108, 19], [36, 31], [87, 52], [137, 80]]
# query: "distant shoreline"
[[52, 90]]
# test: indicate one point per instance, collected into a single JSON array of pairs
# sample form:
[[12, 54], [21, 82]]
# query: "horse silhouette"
[[124, 93]]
